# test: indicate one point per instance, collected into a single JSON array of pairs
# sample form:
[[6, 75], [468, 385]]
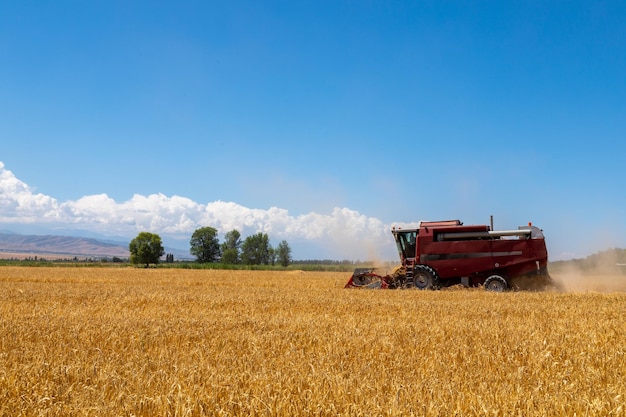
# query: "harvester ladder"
[[409, 265]]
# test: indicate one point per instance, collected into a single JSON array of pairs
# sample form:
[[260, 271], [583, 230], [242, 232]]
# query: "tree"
[[230, 247], [204, 245], [283, 253], [272, 256], [146, 249], [256, 250]]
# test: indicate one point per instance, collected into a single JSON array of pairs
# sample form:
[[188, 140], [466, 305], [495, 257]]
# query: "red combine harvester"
[[444, 253]]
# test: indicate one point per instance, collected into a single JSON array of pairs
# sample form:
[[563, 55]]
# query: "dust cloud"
[[575, 281], [601, 273]]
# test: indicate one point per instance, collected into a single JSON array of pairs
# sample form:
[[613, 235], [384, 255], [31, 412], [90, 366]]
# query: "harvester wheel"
[[424, 278], [496, 283]]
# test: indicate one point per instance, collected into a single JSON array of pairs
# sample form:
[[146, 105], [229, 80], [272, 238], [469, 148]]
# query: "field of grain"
[[164, 342]]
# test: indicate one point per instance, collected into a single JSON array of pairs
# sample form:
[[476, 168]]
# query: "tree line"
[[147, 248]]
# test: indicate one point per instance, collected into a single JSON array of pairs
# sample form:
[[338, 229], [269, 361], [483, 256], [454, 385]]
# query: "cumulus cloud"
[[348, 233], [18, 202]]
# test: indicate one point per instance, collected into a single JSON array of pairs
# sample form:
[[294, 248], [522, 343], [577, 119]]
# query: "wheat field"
[[168, 342]]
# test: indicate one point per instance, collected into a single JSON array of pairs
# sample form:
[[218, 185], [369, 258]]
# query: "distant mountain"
[[70, 246], [60, 245]]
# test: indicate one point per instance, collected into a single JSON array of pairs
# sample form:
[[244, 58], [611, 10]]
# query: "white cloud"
[[19, 203], [348, 233]]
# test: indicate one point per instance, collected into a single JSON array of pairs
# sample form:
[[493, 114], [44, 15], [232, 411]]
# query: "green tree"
[[204, 245], [230, 247], [146, 249], [255, 250], [283, 253], [272, 256]]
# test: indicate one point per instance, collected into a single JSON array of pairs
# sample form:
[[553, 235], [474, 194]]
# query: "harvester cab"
[[405, 240]]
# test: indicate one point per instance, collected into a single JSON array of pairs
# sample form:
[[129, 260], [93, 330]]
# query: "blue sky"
[[319, 122]]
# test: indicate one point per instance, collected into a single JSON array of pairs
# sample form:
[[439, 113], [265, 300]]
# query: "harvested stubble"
[[134, 342]]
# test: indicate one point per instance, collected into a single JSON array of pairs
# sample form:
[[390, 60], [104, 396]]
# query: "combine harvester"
[[445, 253]]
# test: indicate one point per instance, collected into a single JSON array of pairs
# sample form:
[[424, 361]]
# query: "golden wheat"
[[167, 342]]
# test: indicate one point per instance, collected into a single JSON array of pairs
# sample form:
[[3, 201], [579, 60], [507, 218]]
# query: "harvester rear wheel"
[[496, 283], [424, 278]]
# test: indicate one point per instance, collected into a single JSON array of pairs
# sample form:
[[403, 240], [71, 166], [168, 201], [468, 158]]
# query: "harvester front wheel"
[[424, 278], [496, 283]]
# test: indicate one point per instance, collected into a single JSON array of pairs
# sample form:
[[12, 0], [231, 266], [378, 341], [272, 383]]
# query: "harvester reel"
[[496, 283], [425, 278]]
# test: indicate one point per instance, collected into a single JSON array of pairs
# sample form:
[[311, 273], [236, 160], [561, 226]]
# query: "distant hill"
[[60, 245], [53, 246]]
